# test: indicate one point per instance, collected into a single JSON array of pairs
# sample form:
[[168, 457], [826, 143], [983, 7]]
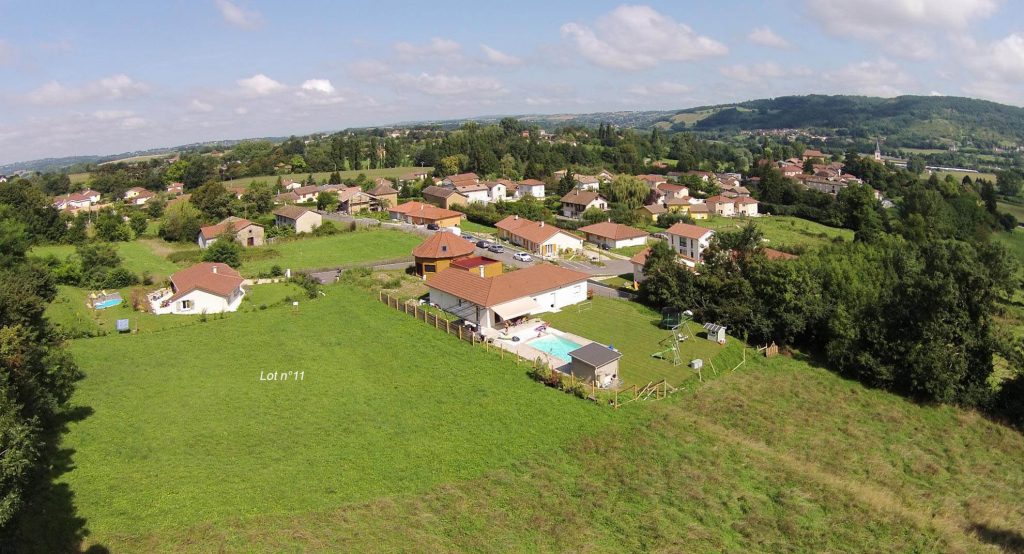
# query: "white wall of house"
[[725, 209], [638, 272], [559, 242], [688, 247], [575, 210], [537, 191], [477, 196], [621, 243], [201, 302], [749, 210], [205, 243], [548, 301], [305, 223], [497, 193]]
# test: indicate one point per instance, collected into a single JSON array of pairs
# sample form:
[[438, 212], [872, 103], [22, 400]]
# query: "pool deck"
[[527, 332]]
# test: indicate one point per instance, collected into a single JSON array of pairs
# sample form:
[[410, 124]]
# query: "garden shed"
[[595, 363]]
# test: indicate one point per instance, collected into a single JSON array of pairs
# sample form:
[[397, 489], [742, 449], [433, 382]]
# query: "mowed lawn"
[[388, 173], [332, 251], [633, 329], [183, 432], [783, 230]]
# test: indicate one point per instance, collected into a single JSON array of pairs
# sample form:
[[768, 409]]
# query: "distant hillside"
[[905, 121]]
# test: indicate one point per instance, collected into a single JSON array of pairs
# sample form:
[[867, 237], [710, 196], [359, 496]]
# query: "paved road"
[[612, 266]]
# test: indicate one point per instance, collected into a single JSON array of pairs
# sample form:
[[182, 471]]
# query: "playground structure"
[[674, 321]]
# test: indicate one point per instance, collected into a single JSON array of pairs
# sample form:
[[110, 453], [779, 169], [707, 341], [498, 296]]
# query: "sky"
[[103, 77]]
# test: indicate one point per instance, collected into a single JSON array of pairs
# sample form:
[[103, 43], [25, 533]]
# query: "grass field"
[[79, 178], [782, 230], [137, 256], [333, 251], [471, 227], [439, 446], [1016, 209], [959, 175], [633, 330], [389, 173]]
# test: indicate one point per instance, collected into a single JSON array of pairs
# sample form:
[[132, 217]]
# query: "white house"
[[578, 201], [587, 182], [490, 301], [721, 205], [474, 192], [245, 232], [614, 235], [496, 191], [745, 206], [205, 288], [308, 193], [537, 237], [690, 241], [530, 187]]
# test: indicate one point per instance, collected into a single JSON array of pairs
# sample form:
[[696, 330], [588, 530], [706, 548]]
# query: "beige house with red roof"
[[490, 301], [689, 241], [639, 260], [205, 288], [384, 194], [614, 235], [439, 251], [245, 232], [578, 201], [537, 237], [419, 213], [301, 219], [443, 197]]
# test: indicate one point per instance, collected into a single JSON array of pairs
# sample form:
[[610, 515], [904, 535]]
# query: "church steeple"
[[878, 150]]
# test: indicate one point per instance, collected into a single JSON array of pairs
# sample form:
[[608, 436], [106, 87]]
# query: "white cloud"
[[436, 48], [498, 57], [260, 85], [997, 67], [241, 110], [115, 87], [239, 16], [449, 85], [369, 70], [880, 77], [760, 72], [878, 18], [639, 37], [322, 86], [764, 36], [664, 88], [198, 106]]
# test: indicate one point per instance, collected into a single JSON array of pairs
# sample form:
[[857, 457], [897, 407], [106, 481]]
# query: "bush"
[[328, 228], [225, 251], [118, 278], [276, 271]]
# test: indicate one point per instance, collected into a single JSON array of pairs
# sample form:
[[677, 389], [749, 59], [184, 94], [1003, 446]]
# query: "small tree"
[[138, 221], [224, 250], [593, 215], [327, 200]]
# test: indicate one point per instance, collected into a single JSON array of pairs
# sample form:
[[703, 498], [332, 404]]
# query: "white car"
[[522, 257]]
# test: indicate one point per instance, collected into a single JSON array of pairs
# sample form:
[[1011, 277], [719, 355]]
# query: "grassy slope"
[[389, 173], [137, 256], [335, 250], [184, 432], [1016, 209], [783, 230], [777, 456]]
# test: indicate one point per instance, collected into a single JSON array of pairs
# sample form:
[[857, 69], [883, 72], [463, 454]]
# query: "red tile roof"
[[581, 197], [215, 278], [425, 211], [614, 231], [237, 223], [443, 245], [491, 291], [688, 231], [535, 232], [641, 256]]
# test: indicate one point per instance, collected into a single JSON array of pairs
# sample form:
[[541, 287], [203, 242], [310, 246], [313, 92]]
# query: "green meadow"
[[782, 230]]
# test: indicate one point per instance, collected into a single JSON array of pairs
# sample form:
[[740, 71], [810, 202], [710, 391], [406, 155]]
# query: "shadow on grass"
[[49, 522], [1005, 539]]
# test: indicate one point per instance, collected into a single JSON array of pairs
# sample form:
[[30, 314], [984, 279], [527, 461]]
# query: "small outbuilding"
[[716, 332], [595, 363]]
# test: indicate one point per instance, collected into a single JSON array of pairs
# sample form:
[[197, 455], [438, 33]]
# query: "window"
[[186, 304], [429, 268]]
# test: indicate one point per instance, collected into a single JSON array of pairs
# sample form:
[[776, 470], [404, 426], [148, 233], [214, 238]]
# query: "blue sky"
[[105, 77]]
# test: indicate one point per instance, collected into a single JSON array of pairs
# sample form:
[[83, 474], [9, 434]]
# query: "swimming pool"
[[110, 302], [558, 347]]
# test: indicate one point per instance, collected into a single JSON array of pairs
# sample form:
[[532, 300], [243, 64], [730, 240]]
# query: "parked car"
[[522, 257], [433, 226], [661, 236], [496, 248], [470, 238], [604, 246], [483, 244]]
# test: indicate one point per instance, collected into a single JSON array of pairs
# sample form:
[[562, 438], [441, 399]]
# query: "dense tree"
[[181, 223], [213, 200], [224, 250]]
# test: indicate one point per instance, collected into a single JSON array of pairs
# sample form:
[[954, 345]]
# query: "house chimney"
[[516, 216], [481, 270], [215, 269], [542, 223]]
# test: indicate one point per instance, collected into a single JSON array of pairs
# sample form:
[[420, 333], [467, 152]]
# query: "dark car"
[[605, 247], [433, 226], [470, 238], [483, 244], [496, 248]]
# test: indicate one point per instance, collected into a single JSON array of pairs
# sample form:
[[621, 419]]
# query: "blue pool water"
[[556, 346], [107, 303]]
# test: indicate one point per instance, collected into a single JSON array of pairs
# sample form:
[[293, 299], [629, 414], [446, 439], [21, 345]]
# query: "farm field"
[[633, 329], [959, 175], [332, 251], [389, 173], [472, 227], [390, 453], [783, 230], [1017, 210]]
